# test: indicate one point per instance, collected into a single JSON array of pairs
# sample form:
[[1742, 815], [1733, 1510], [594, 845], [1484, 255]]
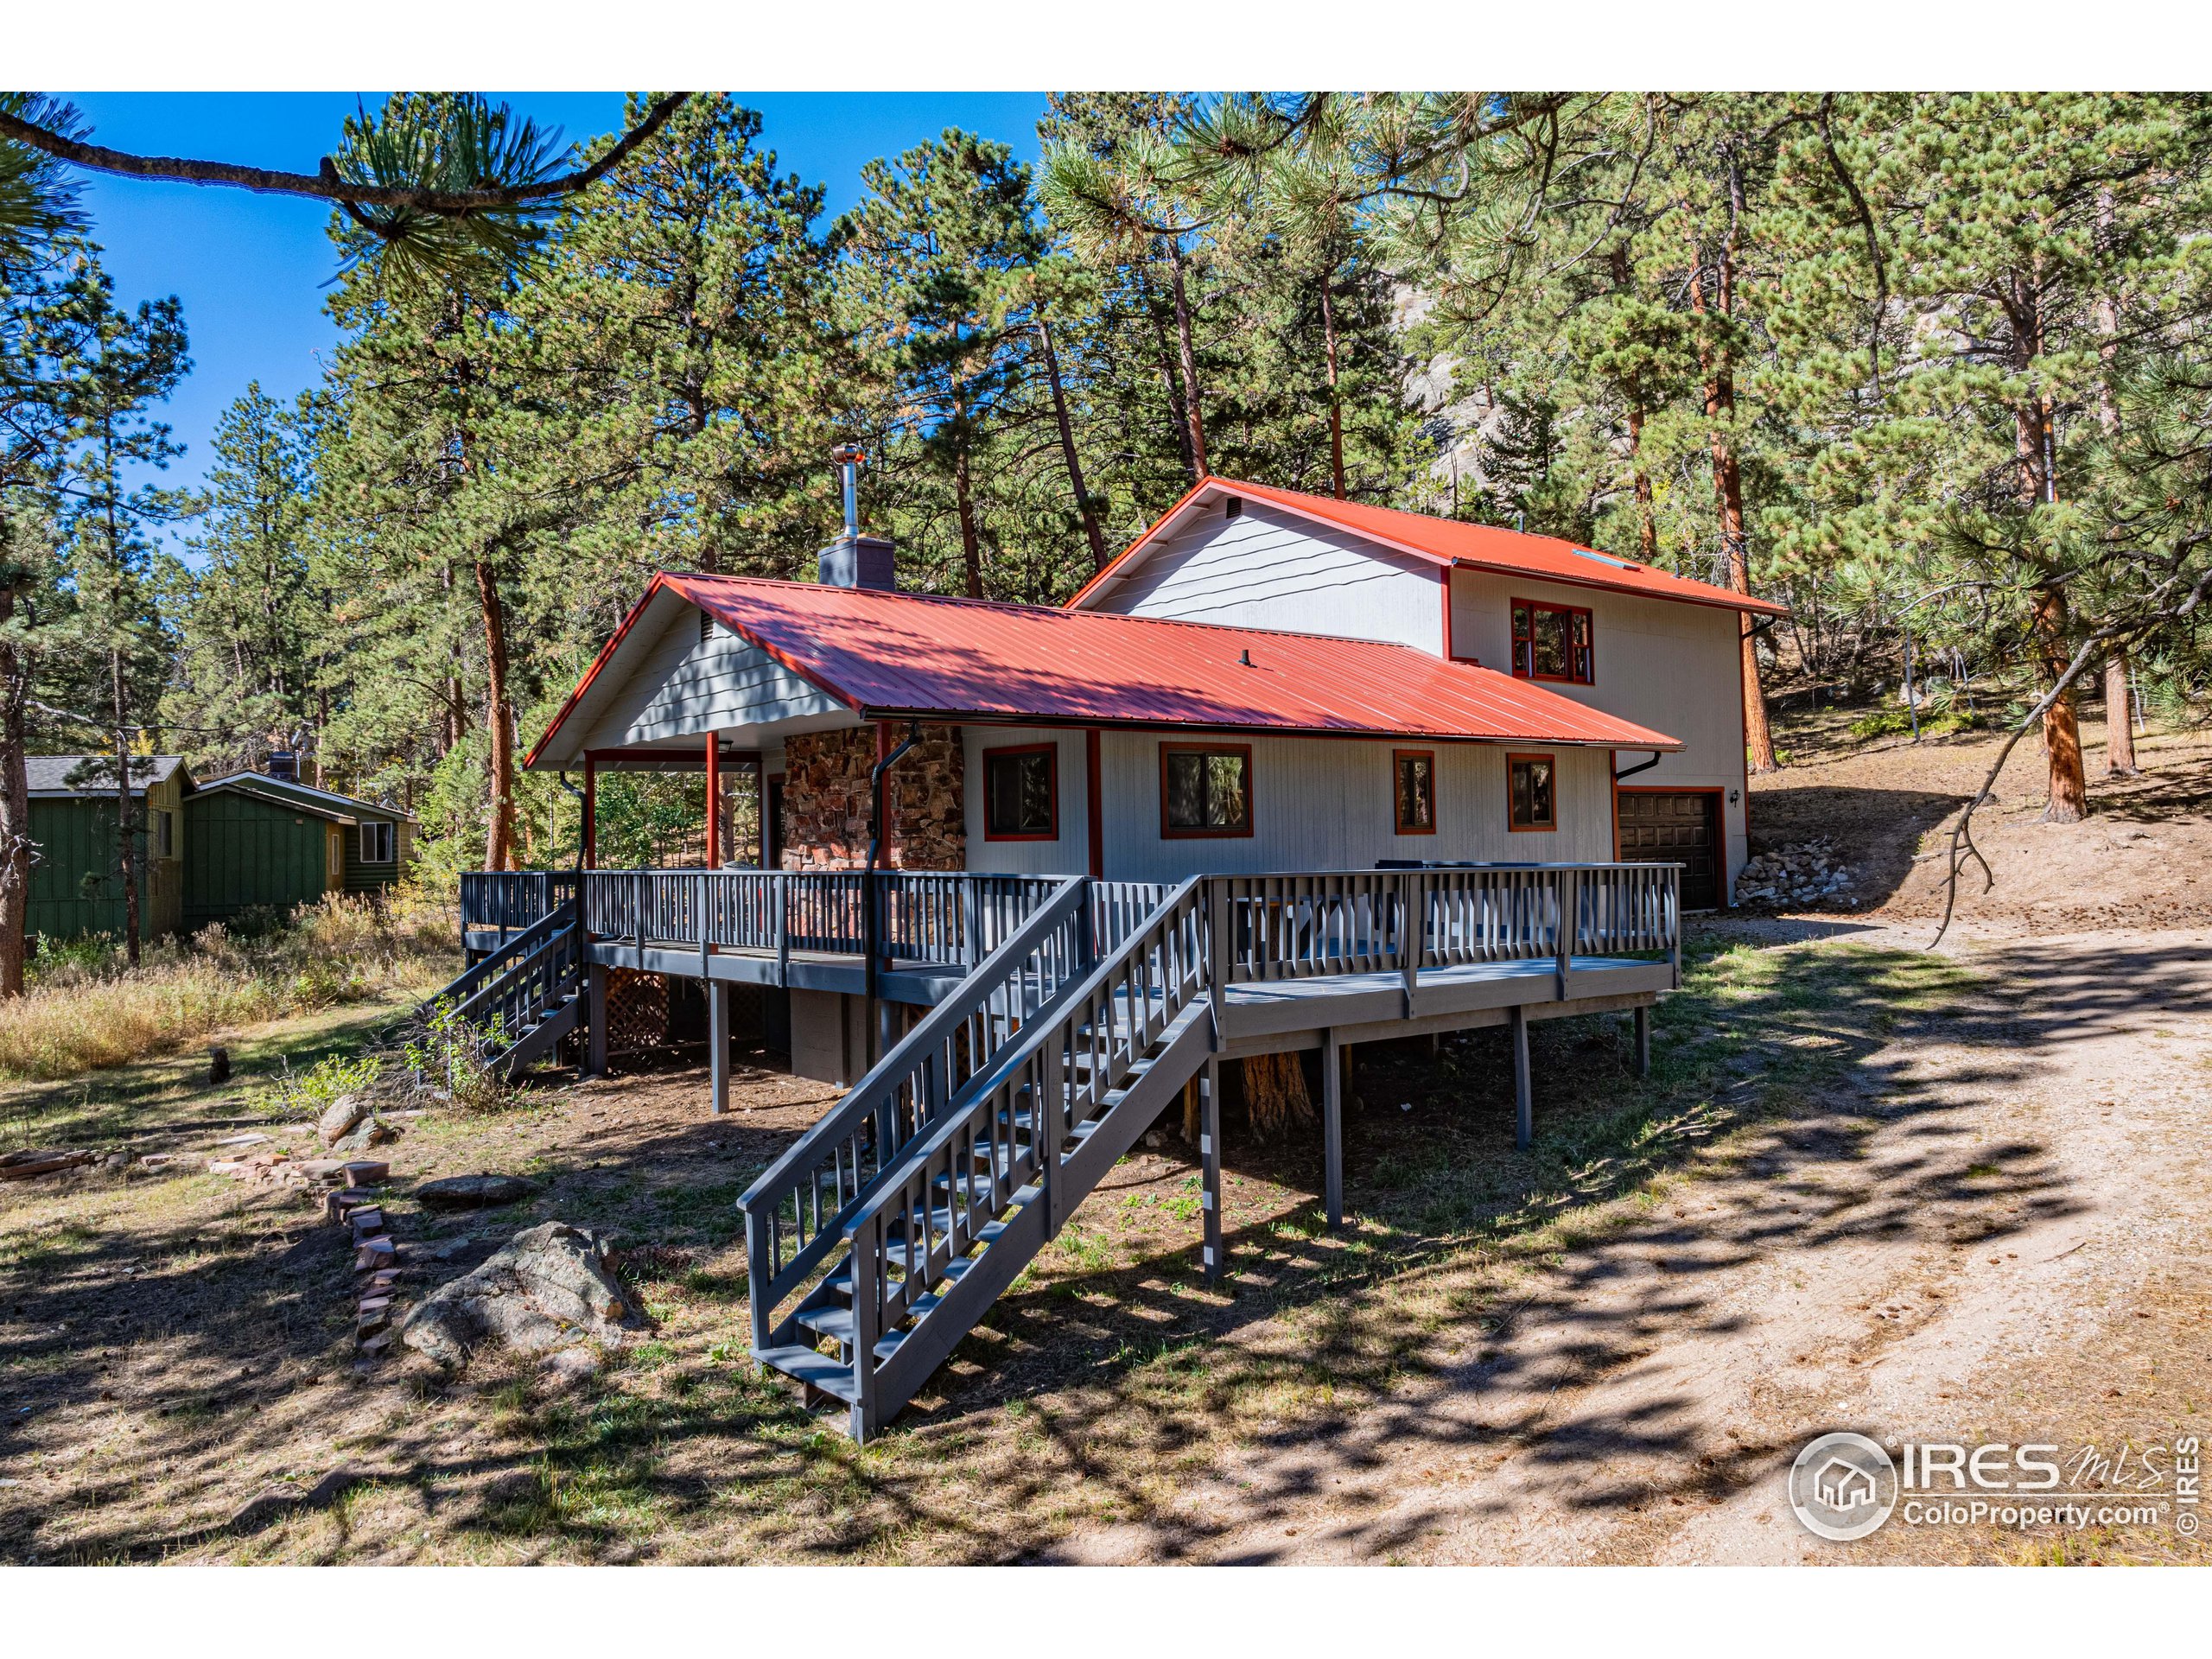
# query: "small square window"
[[1554, 642], [1414, 775], [1204, 790], [1022, 793], [376, 843], [1532, 792]]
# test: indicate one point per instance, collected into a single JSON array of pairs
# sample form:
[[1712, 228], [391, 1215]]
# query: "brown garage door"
[[1663, 827]]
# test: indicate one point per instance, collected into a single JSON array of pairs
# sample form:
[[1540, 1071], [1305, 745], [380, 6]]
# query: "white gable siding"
[[1324, 804], [1068, 855], [1676, 668], [1267, 569], [686, 687]]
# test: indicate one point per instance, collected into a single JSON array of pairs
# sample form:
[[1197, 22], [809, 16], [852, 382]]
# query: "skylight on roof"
[[1605, 558]]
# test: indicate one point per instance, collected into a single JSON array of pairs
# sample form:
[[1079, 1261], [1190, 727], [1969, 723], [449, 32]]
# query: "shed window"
[[1022, 793], [376, 843], [1205, 789], [1532, 792], [1554, 642], [1414, 775], [164, 835]]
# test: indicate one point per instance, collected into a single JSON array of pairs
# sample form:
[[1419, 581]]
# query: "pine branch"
[[325, 184]]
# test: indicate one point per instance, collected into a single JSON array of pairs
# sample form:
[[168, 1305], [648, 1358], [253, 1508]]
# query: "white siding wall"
[[1673, 667], [1324, 804], [1068, 856], [1266, 569], [685, 686]]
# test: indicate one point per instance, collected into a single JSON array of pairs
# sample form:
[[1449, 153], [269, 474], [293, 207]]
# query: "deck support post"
[[594, 1020], [1524, 1105], [1333, 1056], [1643, 1042], [718, 1045], [1210, 1163]]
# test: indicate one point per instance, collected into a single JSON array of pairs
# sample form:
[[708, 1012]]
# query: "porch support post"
[[1210, 1165], [1643, 1042], [595, 1020], [591, 813], [714, 802], [1333, 1054], [718, 1045], [1524, 1104], [1094, 805]]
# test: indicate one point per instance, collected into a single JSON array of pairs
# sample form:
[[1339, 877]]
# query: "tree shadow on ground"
[[1088, 1381]]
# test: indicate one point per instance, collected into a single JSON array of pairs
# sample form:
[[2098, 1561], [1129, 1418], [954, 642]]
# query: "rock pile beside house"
[[1803, 873]]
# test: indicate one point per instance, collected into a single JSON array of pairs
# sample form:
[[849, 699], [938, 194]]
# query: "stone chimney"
[[855, 560]]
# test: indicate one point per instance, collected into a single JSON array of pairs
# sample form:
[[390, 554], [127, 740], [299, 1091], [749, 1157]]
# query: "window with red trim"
[[1022, 793], [1413, 776], [1531, 792], [1205, 789], [1554, 642]]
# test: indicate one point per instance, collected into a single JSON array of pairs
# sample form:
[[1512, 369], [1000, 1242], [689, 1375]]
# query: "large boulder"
[[546, 1289], [473, 1192]]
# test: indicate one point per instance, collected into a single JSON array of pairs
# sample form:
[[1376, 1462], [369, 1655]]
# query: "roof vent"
[[1233, 507], [855, 560], [284, 764]]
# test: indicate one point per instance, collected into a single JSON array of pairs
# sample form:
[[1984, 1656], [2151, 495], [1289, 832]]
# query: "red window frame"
[[1398, 759], [1512, 761], [1051, 750], [1521, 648], [1243, 751]]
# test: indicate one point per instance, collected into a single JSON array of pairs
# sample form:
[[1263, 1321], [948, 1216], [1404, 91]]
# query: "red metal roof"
[[887, 654], [1448, 542]]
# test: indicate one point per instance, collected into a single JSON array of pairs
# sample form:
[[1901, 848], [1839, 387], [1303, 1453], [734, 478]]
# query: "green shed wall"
[[240, 851], [76, 839]]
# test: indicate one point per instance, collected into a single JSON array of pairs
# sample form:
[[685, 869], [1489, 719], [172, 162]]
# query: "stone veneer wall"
[[825, 801]]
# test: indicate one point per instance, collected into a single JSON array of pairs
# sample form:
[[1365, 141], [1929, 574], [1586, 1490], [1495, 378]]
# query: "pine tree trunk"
[[499, 719], [2120, 720], [15, 804], [1647, 519], [1188, 350], [1728, 495], [964, 493], [1083, 504], [1335, 405], [2061, 730], [124, 838]]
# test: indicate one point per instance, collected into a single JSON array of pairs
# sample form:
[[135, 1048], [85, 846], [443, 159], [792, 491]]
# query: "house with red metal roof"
[[1291, 775]]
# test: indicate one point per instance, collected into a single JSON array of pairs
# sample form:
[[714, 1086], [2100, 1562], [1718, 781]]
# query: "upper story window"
[[1205, 789], [1531, 791], [1552, 642], [376, 843], [1022, 793], [1413, 778]]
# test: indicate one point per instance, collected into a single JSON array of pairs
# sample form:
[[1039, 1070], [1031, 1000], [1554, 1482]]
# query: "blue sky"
[[250, 269]]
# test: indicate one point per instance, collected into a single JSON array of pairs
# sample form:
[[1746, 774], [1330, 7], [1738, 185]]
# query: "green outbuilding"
[[245, 841]]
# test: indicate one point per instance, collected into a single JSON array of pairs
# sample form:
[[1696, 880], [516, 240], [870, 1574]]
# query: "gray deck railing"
[[955, 917], [794, 1212], [1302, 926]]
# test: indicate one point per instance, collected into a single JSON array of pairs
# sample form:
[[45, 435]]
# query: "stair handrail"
[[861, 1139], [561, 950], [986, 1112], [464, 984]]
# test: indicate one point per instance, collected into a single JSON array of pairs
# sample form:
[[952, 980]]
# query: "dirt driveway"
[[1998, 1234]]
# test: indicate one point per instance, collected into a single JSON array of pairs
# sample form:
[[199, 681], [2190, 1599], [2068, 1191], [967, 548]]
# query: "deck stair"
[[525, 996], [899, 1219]]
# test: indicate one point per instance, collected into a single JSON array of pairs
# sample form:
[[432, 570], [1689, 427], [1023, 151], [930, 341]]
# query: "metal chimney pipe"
[[849, 458]]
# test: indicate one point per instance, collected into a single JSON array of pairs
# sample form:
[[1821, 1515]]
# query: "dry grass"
[[91, 1011]]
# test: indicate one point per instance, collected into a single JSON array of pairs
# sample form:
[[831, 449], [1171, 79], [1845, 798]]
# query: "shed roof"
[[890, 655], [48, 774], [327, 800], [1443, 543]]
